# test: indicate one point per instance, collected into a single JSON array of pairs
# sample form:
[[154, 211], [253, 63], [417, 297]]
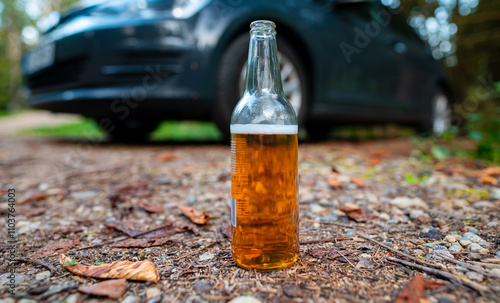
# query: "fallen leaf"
[[141, 243], [169, 228], [487, 179], [35, 197], [164, 157], [492, 171], [194, 215], [138, 271], [227, 230], [432, 234], [328, 253], [413, 292], [122, 193], [113, 289], [358, 181], [31, 212], [53, 248], [357, 214], [333, 181], [150, 208]]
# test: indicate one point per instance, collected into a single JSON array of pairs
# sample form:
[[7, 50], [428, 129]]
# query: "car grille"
[[61, 76]]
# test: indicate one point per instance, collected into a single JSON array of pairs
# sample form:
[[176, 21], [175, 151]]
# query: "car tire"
[[439, 118], [229, 85], [131, 130]]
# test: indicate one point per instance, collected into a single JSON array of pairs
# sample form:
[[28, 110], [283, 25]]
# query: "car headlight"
[[179, 9]]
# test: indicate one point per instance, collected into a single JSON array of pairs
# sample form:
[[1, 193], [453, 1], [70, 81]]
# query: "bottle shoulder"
[[264, 108]]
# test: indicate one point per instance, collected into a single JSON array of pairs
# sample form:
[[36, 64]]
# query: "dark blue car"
[[130, 64]]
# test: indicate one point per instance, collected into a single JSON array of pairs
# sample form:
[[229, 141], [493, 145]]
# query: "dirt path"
[[81, 197]]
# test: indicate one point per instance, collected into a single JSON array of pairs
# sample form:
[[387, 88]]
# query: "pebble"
[[474, 276], [483, 204], [202, 285], [455, 247], [474, 247], [464, 242], [74, 298], [473, 237], [461, 268], [497, 254], [407, 202], [492, 224], [446, 298], [349, 232], [316, 208], [329, 218], [474, 257], [495, 272], [440, 247], [384, 216], [484, 244], [450, 239], [207, 256], [454, 233], [245, 299], [495, 194], [441, 222], [154, 300], [7, 300], [42, 275], [474, 230], [26, 301], [153, 292], [434, 244], [84, 194]]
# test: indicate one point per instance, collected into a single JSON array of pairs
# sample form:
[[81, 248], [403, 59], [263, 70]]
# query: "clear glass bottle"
[[264, 159]]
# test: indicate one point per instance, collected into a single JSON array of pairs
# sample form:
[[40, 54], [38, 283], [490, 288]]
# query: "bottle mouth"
[[263, 26]]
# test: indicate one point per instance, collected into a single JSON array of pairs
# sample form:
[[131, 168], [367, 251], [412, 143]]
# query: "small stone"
[[483, 204], [207, 256], [202, 285], [245, 299], [74, 298], [446, 298], [384, 216], [464, 242], [316, 208], [26, 301], [474, 257], [292, 291], [455, 247], [484, 244], [433, 244], [474, 276], [450, 239], [474, 230], [42, 275], [461, 268], [84, 194], [349, 232], [497, 254], [492, 224], [394, 221], [407, 202], [495, 194], [473, 237], [7, 300], [423, 219], [130, 299], [441, 222], [454, 233], [153, 292], [154, 300], [474, 247], [495, 272], [329, 218], [438, 253], [440, 247]]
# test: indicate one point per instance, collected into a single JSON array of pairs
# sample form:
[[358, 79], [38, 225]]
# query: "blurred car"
[[130, 64]]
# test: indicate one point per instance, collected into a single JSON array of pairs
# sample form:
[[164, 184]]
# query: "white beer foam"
[[264, 129]]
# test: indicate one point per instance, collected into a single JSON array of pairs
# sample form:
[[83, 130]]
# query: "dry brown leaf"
[[194, 215], [227, 230], [487, 179], [53, 248], [122, 193], [141, 243], [492, 171], [357, 214], [164, 157], [358, 181], [113, 289], [150, 208], [35, 197], [413, 292], [138, 271], [31, 212], [333, 181], [328, 253]]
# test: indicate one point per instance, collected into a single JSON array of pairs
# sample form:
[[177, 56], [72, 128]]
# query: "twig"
[[343, 225], [442, 274], [402, 253], [194, 252], [332, 239], [124, 238], [466, 265], [343, 257], [37, 262], [56, 291]]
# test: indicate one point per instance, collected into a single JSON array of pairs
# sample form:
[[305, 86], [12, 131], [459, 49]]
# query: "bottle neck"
[[263, 73]]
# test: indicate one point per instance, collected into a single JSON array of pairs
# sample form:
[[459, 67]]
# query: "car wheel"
[[439, 120], [232, 74], [131, 130]]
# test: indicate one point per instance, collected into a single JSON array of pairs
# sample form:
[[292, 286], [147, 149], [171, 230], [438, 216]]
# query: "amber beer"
[[265, 209]]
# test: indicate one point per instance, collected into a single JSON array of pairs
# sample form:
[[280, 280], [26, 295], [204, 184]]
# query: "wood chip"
[[53, 248], [138, 271], [194, 215], [150, 208], [333, 181], [113, 289]]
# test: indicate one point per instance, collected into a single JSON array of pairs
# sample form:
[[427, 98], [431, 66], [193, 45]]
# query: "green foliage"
[[68, 263], [97, 262], [421, 179]]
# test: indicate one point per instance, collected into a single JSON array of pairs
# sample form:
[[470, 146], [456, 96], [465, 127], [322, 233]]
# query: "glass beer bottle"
[[264, 174]]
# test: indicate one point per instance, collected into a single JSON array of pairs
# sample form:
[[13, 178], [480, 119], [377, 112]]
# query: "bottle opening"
[[265, 26]]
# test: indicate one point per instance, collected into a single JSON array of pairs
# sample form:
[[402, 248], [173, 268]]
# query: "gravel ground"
[[433, 212]]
